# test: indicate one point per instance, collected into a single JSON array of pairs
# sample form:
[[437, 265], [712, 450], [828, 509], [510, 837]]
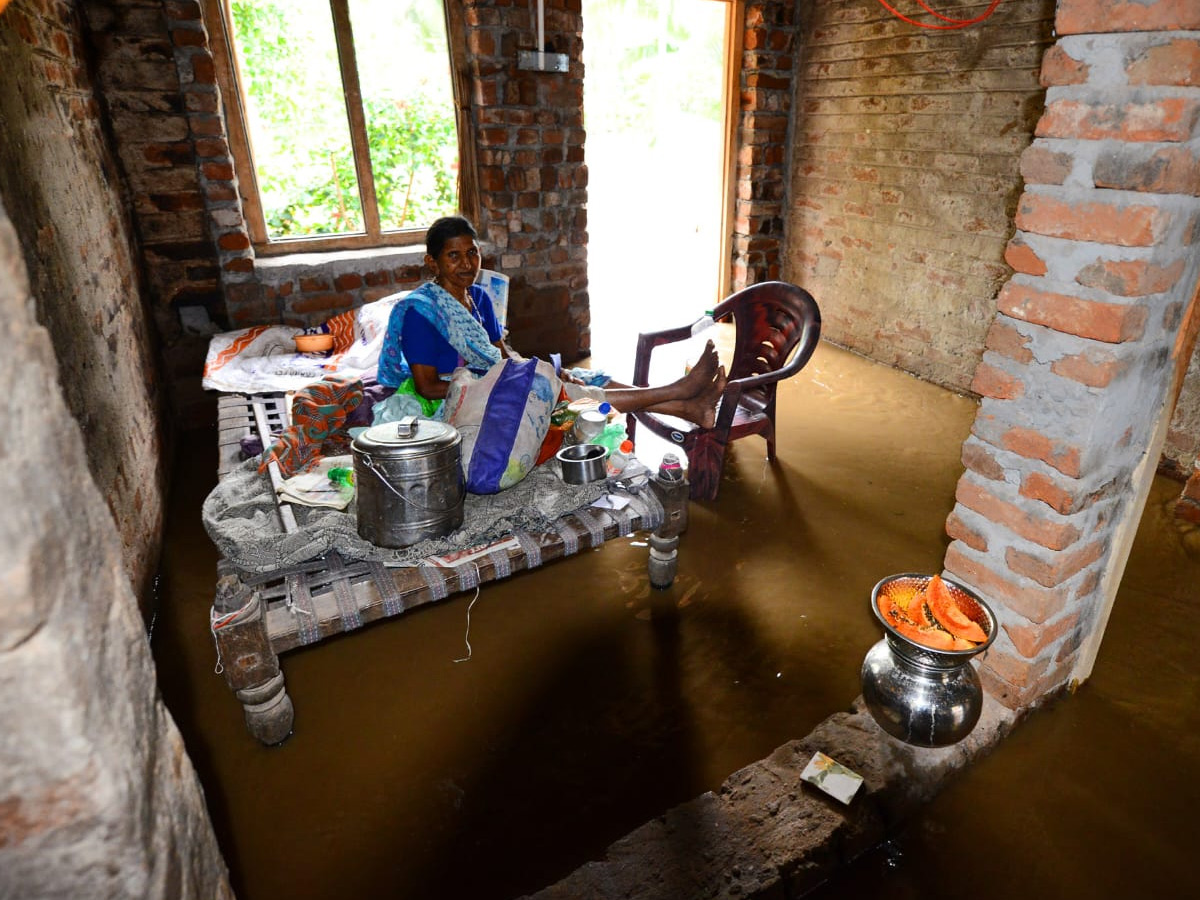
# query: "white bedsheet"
[[264, 358]]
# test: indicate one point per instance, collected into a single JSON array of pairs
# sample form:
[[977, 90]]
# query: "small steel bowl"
[[582, 463]]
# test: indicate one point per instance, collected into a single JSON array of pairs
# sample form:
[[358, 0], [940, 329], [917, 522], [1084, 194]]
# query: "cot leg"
[[672, 489], [250, 666]]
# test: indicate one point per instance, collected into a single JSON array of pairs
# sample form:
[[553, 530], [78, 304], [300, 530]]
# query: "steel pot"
[[583, 463], [409, 479], [925, 697]]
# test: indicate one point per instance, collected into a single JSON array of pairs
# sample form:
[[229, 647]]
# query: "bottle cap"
[[626, 446], [606, 408]]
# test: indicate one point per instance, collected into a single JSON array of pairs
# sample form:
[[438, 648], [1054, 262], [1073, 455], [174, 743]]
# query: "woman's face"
[[457, 265]]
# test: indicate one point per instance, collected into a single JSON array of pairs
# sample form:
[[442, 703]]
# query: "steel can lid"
[[409, 432]]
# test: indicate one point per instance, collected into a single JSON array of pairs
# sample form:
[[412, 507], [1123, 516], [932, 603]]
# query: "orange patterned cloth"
[[319, 414]]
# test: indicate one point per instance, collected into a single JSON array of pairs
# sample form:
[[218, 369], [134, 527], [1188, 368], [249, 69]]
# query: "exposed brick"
[[1093, 368], [1131, 278], [1054, 569], [177, 201], [1090, 17], [1042, 166], [1031, 640], [240, 264], [320, 303], [217, 171], [1126, 225], [1174, 63], [1004, 339], [1187, 510], [182, 10], [1169, 170], [233, 242], [1109, 322], [1038, 486], [1034, 445], [314, 283], [210, 148], [1031, 681], [978, 458], [1049, 534], [1024, 258], [958, 530], [1059, 68], [990, 381], [1166, 119], [188, 37], [1033, 602], [348, 282]]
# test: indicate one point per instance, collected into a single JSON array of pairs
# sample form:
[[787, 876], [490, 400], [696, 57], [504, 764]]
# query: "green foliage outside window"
[[297, 118]]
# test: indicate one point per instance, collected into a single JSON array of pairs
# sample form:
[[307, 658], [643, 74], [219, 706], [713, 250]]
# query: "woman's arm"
[[427, 382]]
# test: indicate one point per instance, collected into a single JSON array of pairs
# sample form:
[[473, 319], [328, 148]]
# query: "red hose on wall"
[[954, 23]]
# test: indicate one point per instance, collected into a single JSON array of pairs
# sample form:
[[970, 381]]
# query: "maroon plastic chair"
[[778, 326]]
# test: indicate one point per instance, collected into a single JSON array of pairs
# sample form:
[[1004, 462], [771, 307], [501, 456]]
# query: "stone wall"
[[98, 798], [61, 186], [1089, 341]]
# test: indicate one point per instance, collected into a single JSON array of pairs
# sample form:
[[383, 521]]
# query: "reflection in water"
[[592, 703]]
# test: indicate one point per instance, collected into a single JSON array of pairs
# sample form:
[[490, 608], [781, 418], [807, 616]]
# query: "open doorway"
[[657, 98]]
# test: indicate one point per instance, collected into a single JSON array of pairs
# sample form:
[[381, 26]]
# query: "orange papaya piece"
[[949, 614], [933, 638]]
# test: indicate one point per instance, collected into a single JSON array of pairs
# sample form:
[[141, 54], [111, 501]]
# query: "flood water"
[[591, 703]]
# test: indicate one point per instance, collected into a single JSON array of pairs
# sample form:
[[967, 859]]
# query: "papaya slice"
[[949, 614], [933, 638]]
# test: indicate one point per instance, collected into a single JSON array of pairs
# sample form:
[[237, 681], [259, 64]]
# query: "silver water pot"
[[923, 696], [409, 481]]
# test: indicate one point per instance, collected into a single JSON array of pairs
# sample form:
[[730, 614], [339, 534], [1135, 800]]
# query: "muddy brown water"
[[591, 703]]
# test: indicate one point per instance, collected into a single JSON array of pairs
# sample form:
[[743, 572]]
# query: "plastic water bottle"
[[618, 459]]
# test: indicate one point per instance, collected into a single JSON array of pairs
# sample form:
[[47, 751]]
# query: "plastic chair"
[[778, 326]]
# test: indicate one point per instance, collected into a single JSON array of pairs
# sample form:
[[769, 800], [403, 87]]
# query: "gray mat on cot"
[[240, 517]]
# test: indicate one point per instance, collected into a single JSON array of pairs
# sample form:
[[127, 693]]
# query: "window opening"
[[347, 133]]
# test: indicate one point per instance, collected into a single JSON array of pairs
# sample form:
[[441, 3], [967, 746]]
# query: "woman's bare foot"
[[701, 373], [701, 408]]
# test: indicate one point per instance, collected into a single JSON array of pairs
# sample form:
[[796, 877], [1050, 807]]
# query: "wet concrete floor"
[[591, 703]]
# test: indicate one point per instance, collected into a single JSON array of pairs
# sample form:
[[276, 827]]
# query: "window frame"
[[219, 16]]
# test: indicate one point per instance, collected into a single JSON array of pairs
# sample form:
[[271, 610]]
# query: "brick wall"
[[532, 175], [59, 183], [765, 102], [158, 125], [904, 176], [1088, 345]]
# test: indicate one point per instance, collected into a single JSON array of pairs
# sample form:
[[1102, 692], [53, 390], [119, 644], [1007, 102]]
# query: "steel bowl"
[[583, 463]]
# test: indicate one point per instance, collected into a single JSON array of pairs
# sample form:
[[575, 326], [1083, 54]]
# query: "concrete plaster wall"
[[62, 190], [98, 798]]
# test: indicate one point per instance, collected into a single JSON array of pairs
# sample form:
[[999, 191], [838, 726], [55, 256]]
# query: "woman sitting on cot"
[[448, 323]]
